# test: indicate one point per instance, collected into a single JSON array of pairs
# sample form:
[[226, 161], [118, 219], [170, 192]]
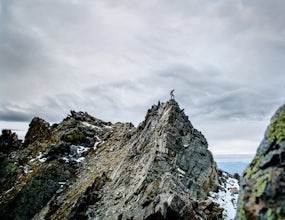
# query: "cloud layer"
[[114, 59]]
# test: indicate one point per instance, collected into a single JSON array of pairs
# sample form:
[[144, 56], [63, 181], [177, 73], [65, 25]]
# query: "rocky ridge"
[[85, 168], [262, 191]]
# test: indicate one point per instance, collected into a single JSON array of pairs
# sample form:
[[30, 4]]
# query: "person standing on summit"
[[172, 94]]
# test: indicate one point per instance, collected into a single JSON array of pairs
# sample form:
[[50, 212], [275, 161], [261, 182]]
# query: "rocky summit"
[[262, 191], [85, 168]]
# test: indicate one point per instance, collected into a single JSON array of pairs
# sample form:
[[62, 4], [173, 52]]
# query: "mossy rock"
[[254, 166], [260, 184], [276, 130], [75, 137], [8, 173]]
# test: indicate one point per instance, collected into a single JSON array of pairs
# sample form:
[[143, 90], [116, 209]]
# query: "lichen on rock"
[[276, 130], [262, 190]]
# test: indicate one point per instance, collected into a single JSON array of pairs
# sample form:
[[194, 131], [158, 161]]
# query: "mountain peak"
[[88, 168]]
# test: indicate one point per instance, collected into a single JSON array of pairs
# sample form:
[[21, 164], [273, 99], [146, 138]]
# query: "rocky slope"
[[226, 194], [262, 193], [85, 168]]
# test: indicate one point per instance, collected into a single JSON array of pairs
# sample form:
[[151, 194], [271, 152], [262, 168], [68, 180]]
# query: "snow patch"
[[97, 144], [73, 159], [186, 145], [42, 160], [39, 158], [61, 183], [86, 124], [78, 150], [26, 169], [76, 154], [108, 127], [79, 160], [32, 160], [82, 149], [181, 171], [66, 160], [227, 196]]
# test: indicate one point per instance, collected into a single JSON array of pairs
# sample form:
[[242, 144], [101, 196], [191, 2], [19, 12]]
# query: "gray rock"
[[156, 164], [160, 170], [262, 190]]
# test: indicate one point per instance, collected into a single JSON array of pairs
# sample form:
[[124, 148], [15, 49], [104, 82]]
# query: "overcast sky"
[[114, 59]]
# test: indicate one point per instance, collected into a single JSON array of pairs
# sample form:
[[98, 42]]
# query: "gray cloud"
[[14, 115], [115, 59], [241, 103]]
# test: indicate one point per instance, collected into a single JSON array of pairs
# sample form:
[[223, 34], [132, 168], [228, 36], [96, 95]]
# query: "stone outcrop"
[[9, 142], [262, 191], [85, 168], [163, 171]]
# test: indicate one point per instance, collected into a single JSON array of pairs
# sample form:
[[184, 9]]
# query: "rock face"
[[85, 168], [262, 191], [9, 144]]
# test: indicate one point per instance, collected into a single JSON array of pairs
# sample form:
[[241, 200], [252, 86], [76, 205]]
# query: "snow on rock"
[[9, 190], [79, 160], [32, 160], [181, 172], [76, 154], [42, 160], [86, 124], [227, 195], [108, 127], [82, 149], [65, 159], [70, 159], [62, 183], [39, 158], [97, 144], [78, 150], [26, 169]]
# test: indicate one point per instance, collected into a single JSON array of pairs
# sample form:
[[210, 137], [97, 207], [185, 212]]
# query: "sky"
[[114, 59]]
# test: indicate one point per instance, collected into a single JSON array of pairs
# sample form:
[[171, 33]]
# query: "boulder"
[[262, 191], [38, 129], [9, 142]]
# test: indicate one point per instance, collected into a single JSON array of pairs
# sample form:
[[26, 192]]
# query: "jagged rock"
[[9, 172], [35, 193], [237, 176], [262, 193], [160, 170], [9, 142], [38, 128]]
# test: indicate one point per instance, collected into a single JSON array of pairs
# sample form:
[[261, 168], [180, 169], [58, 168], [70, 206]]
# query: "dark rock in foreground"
[[262, 194]]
